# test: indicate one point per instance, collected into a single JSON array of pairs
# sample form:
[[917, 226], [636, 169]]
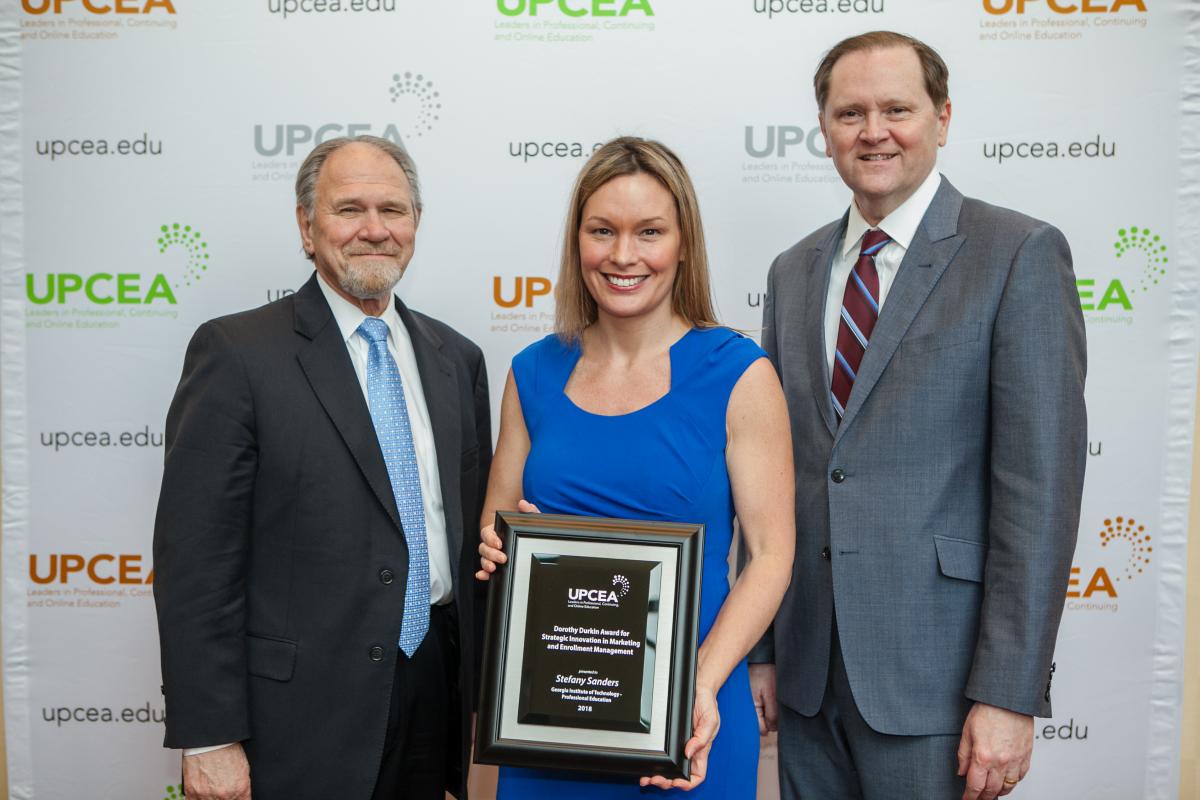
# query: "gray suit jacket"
[[948, 498]]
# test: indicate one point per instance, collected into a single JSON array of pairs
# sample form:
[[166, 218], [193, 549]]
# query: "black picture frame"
[[649, 744]]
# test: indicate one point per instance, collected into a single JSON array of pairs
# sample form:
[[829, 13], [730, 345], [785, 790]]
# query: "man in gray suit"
[[932, 350]]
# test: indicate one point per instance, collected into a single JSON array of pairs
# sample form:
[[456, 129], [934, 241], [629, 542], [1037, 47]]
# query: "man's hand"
[[766, 704], [994, 751], [217, 775]]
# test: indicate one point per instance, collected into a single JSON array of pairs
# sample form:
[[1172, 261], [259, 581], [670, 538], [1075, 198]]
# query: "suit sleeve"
[[201, 541], [475, 496], [764, 651], [1038, 431]]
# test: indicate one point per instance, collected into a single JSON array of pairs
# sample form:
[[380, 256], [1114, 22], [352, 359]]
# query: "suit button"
[[837, 476], [376, 653], [386, 576], [825, 553]]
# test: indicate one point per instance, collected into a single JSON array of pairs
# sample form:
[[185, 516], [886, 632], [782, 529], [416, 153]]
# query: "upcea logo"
[[1060, 7], [1112, 294], [422, 91], [420, 104], [575, 8], [125, 288], [1095, 588], [103, 569], [526, 289], [525, 292], [97, 6], [785, 154], [622, 584], [1056, 20], [777, 140]]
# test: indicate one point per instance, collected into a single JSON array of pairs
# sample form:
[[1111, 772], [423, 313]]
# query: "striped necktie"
[[860, 309], [389, 413]]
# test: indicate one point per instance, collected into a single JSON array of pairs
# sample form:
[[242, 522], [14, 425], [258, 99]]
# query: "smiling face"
[[629, 247], [881, 127], [363, 228]]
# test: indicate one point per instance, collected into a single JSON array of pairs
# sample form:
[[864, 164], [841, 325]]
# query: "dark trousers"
[[836, 755], [418, 750]]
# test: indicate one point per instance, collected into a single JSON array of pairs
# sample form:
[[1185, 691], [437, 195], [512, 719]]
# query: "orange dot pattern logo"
[[1128, 530]]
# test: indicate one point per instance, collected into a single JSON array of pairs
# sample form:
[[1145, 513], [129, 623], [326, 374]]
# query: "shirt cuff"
[[195, 751]]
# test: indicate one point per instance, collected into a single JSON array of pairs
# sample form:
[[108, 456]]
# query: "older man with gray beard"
[[325, 455]]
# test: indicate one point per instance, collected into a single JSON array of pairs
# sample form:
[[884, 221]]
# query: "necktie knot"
[[873, 242], [374, 330]]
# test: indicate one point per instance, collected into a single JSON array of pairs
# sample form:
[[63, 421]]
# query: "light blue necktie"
[[389, 413]]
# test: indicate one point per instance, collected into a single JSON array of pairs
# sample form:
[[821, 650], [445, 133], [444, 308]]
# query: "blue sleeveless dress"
[[665, 462]]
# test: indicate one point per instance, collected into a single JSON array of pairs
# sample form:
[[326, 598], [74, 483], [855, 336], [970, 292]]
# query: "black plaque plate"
[[589, 654]]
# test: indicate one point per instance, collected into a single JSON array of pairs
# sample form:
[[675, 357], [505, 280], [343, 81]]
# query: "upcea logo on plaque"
[[785, 154], [92, 20], [281, 147], [515, 299], [570, 21], [101, 300], [1095, 587], [1057, 20], [75, 580], [1109, 298]]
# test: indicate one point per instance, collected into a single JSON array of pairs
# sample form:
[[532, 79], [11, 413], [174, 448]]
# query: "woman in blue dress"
[[641, 407]]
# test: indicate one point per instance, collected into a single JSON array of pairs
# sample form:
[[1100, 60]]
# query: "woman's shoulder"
[[541, 363], [719, 343]]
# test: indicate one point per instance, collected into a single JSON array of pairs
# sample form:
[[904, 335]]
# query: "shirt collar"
[[349, 316], [901, 225]]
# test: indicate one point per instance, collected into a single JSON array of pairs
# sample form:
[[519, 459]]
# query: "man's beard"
[[368, 281]]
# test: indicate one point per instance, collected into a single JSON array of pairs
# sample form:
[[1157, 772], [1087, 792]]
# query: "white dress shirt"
[[348, 317], [901, 225]]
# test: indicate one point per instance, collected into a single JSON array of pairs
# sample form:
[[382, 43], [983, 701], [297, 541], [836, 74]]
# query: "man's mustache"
[[372, 251]]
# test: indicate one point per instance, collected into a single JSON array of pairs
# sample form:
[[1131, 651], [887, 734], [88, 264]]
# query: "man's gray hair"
[[310, 170]]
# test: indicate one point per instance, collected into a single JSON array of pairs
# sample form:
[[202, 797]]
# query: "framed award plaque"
[[589, 655]]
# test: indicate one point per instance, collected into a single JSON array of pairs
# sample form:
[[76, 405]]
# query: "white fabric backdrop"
[[124, 116]]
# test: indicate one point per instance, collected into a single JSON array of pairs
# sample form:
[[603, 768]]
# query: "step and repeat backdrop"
[[147, 154]]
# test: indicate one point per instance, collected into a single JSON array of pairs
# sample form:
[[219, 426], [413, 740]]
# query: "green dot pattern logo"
[[174, 792], [1154, 249], [176, 235], [429, 103], [1127, 529]]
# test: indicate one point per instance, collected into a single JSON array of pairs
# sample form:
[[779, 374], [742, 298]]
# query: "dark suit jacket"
[[276, 524], [939, 519]]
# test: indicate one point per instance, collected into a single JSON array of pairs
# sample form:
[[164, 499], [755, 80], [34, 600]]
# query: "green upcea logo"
[[197, 249], [1115, 294], [575, 8], [174, 792], [1151, 246], [125, 288]]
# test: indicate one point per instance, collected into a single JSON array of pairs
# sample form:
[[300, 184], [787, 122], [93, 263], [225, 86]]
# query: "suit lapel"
[[819, 378], [933, 248], [439, 382], [327, 366]]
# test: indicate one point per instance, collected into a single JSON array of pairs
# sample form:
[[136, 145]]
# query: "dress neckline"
[[577, 353]]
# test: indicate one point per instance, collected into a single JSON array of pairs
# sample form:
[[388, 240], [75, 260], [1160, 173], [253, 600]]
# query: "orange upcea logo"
[[102, 568], [97, 6], [1094, 588], [525, 290], [1127, 530], [1061, 6]]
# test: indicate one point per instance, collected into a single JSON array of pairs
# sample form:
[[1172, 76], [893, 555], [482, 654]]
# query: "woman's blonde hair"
[[691, 296]]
